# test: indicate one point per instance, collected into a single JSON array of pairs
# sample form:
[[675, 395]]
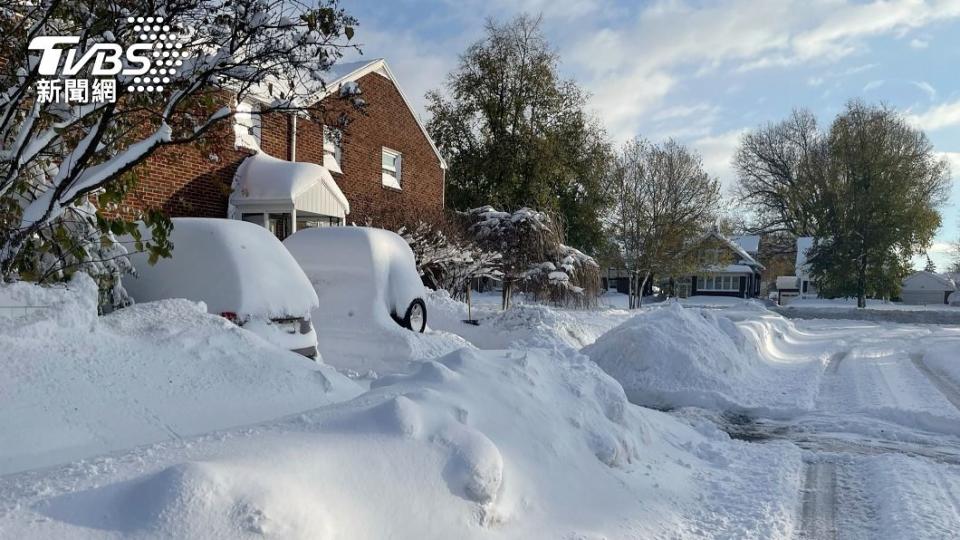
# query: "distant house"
[[807, 286], [726, 267], [927, 288], [289, 170]]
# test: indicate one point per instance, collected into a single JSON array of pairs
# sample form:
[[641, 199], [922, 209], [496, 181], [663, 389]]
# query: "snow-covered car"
[[361, 275], [240, 271], [954, 299]]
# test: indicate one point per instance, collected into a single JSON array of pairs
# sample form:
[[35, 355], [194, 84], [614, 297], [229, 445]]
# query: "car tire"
[[416, 316]]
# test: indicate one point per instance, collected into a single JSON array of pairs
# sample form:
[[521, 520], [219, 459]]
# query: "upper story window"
[[391, 167], [332, 149], [246, 125]]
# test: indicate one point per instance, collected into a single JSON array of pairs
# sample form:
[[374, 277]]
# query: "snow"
[[528, 425], [262, 178], [360, 272], [231, 266], [77, 385], [361, 276], [430, 455], [672, 356]]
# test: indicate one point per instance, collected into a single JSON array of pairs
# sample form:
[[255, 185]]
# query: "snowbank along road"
[[521, 427]]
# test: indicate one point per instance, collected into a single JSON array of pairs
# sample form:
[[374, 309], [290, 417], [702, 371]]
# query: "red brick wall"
[[194, 180], [386, 121]]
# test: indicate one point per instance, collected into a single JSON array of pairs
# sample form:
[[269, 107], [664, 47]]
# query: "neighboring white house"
[[808, 288], [927, 288]]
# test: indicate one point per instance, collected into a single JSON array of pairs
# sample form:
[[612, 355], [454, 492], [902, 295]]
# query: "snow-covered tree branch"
[[56, 155]]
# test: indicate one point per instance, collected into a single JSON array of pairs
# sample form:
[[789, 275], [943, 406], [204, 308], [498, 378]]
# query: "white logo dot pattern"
[[162, 38]]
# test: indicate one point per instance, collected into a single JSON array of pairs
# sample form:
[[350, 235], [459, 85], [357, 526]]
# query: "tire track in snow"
[[818, 513], [948, 388]]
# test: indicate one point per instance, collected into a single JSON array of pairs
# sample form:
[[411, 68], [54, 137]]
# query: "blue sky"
[[705, 71]]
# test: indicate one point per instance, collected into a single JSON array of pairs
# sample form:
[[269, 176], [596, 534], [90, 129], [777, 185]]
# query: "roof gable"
[[353, 71], [745, 258], [928, 280]]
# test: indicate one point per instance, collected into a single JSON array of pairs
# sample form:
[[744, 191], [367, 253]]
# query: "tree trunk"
[[862, 283], [643, 286], [630, 291]]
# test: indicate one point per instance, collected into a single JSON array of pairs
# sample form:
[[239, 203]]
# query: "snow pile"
[[76, 385], [29, 310], [479, 444], [673, 357], [523, 325]]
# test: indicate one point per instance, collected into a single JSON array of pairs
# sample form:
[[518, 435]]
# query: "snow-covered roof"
[[730, 269], [750, 243], [264, 179], [804, 243], [745, 258], [788, 282]]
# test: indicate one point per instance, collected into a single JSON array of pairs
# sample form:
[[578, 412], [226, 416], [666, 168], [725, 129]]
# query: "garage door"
[[922, 297]]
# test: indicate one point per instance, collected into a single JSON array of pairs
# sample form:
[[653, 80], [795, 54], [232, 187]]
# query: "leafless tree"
[[664, 200]]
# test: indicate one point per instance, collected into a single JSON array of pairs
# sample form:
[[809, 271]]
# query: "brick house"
[[287, 170]]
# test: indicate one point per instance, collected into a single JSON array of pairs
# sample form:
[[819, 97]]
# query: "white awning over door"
[[264, 183]]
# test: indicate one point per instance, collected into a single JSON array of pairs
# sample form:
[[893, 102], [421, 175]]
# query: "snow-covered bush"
[[535, 259], [446, 261]]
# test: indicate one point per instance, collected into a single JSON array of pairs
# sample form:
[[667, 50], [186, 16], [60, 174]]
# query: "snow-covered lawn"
[[507, 429]]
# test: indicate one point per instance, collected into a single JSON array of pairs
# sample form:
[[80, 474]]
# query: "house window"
[[246, 125], [317, 221], [332, 149], [391, 168], [718, 283]]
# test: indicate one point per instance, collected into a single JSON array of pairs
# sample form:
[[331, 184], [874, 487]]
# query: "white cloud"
[[667, 36], [926, 87], [917, 43], [938, 117], [815, 81], [953, 158], [418, 65], [873, 85], [718, 151]]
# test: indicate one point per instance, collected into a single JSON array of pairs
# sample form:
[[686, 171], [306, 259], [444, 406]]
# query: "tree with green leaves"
[[930, 266], [869, 189], [515, 134]]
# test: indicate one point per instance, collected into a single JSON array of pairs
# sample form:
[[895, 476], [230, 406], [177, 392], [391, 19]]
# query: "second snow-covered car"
[[362, 275], [240, 271]]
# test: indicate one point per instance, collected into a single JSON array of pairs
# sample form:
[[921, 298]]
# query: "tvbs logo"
[[144, 66]]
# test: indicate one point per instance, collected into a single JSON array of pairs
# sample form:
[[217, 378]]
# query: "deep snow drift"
[[480, 444], [671, 356], [76, 385], [523, 325]]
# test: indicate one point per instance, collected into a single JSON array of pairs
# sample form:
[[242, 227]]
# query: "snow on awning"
[[266, 183]]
